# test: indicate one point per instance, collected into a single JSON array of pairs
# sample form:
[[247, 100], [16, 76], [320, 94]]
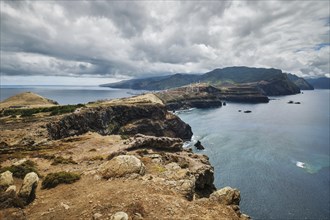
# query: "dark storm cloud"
[[136, 38]]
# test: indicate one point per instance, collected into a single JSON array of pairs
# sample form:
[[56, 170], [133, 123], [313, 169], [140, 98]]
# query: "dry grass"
[[27, 99]]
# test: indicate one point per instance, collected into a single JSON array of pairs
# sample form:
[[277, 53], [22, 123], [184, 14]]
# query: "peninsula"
[[122, 157]]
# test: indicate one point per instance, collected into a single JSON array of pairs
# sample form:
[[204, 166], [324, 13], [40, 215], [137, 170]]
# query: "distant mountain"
[[320, 83], [156, 83], [269, 81], [300, 82]]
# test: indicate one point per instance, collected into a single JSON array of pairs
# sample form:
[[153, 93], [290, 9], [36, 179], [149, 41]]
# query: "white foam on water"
[[300, 164]]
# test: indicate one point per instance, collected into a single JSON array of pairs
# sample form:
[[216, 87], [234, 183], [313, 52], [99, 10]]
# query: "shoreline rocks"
[[199, 145], [226, 196]]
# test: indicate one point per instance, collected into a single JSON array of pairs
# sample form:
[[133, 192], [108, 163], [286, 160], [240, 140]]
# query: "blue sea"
[[69, 94], [277, 155]]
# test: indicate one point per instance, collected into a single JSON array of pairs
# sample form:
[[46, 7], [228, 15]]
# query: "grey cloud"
[[136, 38]]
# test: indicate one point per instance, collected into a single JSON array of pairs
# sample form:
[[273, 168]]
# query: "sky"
[[95, 42]]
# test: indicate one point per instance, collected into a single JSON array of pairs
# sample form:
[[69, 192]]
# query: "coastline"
[[169, 167]]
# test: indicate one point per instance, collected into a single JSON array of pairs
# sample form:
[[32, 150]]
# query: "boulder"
[[226, 196], [204, 176], [28, 189], [119, 216], [121, 166], [6, 179], [161, 143], [199, 146]]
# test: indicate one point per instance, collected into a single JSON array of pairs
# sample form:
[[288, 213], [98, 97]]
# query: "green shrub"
[[21, 170], [27, 113], [124, 136], [54, 110], [54, 179], [62, 160]]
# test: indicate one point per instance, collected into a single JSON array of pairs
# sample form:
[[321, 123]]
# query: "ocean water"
[[277, 156], [69, 94]]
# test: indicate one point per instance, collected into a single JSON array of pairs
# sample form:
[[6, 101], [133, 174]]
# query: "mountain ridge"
[[269, 81], [319, 83]]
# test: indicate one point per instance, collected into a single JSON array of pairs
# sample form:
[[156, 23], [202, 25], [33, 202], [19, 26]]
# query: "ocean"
[[277, 155], [69, 94]]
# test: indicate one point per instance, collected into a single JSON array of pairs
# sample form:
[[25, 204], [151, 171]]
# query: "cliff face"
[[121, 119], [300, 82], [281, 86], [202, 95]]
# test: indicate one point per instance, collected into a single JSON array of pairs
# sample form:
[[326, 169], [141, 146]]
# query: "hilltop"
[[268, 81], [27, 100]]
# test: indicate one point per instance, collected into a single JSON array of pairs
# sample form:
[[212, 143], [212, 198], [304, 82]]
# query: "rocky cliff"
[[150, 119], [202, 95], [300, 82]]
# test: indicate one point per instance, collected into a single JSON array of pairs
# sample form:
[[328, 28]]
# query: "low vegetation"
[[54, 179], [27, 112], [62, 160], [21, 170], [9, 200]]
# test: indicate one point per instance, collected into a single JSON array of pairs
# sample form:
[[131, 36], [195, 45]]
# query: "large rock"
[[119, 216], [226, 196], [161, 143], [121, 166], [148, 119], [28, 189], [6, 179]]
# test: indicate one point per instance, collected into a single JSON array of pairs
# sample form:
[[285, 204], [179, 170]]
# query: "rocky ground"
[[126, 161]]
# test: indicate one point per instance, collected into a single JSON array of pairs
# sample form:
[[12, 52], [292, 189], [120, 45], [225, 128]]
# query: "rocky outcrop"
[[226, 196], [161, 143], [119, 216], [205, 96], [199, 145], [121, 119], [28, 189], [194, 103], [121, 166], [6, 179]]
